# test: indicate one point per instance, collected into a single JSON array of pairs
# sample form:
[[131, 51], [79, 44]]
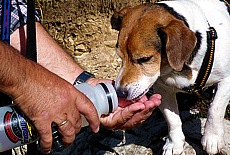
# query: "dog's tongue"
[[123, 102]]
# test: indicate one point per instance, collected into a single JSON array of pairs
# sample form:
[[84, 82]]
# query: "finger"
[[141, 116], [128, 112], [155, 100], [76, 122], [132, 115], [138, 116], [157, 96], [152, 102], [121, 116], [143, 99], [45, 137], [87, 109], [136, 120], [67, 130], [150, 105], [95, 81]]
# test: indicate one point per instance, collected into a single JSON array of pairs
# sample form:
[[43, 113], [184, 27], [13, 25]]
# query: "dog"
[[164, 46]]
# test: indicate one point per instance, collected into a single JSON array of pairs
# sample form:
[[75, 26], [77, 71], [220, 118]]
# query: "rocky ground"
[[83, 29], [146, 139]]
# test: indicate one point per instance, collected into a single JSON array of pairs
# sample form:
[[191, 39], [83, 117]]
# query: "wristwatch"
[[83, 77]]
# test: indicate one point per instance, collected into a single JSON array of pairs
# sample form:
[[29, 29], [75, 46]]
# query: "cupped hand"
[[130, 114]]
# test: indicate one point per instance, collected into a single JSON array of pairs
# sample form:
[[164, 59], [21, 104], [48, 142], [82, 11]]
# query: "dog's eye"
[[144, 59]]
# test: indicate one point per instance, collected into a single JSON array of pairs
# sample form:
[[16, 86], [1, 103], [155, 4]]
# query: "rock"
[[110, 43]]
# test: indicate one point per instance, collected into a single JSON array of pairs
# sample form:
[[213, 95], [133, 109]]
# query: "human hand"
[[46, 99], [128, 114], [131, 114]]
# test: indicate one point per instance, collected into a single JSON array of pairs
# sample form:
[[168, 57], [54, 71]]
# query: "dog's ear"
[[181, 42], [117, 17]]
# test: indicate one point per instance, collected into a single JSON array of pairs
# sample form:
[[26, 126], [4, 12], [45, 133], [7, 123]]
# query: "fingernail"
[[159, 96], [97, 130], [46, 152]]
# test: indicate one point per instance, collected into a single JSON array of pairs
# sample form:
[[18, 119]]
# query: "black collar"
[[206, 67], [226, 1], [198, 87]]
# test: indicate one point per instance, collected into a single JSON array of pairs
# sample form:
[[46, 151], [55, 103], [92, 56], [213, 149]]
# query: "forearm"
[[12, 69], [53, 57], [50, 54]]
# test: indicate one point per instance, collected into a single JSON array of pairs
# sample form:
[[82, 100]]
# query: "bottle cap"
[[103, 96], [111, 96]]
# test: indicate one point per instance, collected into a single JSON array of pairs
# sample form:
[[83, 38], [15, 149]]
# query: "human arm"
[[50, 54], [44, 97]]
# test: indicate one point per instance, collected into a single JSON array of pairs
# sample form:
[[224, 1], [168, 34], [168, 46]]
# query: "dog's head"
[[149, 39]]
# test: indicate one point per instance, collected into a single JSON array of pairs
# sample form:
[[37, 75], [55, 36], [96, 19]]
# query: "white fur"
[[141, 87], [200, 15], [138, 88]]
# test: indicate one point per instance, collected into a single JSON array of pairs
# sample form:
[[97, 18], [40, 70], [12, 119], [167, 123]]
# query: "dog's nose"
[[122, 93]]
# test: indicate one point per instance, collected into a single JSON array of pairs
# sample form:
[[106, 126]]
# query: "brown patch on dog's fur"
[[139, 39], [180, 44]]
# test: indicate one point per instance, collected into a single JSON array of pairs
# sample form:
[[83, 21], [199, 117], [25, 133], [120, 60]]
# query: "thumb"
[[87, 108]]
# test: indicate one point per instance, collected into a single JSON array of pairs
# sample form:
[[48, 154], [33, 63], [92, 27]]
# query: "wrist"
[[83, 77]]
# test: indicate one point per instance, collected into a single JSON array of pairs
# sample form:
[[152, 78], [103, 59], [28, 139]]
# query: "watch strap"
[[83, 77]]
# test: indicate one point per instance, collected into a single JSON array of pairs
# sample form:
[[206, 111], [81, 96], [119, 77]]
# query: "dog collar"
[[227, 3], [205, 70]]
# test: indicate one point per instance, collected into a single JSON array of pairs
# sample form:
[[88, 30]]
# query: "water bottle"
[[103, 96], [16, 129]]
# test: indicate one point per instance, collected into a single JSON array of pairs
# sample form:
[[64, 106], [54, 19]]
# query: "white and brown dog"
[[164, 45]]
